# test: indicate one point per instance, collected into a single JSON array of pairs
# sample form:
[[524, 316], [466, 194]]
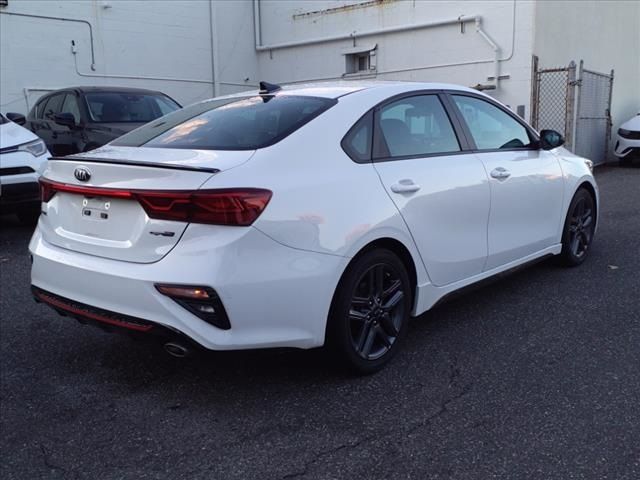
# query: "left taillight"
[[232, 207]]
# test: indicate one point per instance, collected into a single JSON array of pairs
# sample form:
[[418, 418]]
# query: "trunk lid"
[[119, 228]]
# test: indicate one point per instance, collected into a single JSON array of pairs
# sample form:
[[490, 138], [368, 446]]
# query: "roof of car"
[[96, 89], [335, 89]]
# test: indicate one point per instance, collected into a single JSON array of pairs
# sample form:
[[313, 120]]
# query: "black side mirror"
[[550, 139], [65, 119], [17, 118]]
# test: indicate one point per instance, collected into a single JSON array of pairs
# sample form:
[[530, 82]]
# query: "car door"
[[71, 139], [42, 124], [52, 133], [441, 191], [527, 185]]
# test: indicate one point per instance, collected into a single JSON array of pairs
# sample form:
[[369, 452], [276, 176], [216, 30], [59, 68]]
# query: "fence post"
[[535, 91], [569, 106], [609, 121], [575, 115]]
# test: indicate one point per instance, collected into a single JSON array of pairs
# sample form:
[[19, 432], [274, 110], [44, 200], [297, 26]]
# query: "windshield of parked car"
[[239, 123], [114, 107], [3, 120]]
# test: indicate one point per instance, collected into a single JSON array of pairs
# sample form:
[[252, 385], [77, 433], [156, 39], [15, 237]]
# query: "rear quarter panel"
[[322, 200]]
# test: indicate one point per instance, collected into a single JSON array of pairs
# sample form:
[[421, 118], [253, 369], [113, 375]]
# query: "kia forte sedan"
[[322, 215]]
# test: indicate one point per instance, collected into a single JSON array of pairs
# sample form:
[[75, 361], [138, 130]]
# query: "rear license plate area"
[[96, 208]]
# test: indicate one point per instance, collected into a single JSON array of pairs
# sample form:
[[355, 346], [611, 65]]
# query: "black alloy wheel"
[[370, 311], [579, 228]]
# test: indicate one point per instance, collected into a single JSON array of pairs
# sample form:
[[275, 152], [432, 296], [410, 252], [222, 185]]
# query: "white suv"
[[23, 157], [628, 144]]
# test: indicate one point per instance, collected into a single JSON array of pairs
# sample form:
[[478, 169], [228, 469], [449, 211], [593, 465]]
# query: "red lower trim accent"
[[94, 316]]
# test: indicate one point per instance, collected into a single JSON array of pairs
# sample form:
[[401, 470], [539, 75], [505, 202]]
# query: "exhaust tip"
[[176, 349]]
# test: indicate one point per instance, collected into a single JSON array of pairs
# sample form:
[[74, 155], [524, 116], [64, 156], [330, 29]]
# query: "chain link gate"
[[577, 103]]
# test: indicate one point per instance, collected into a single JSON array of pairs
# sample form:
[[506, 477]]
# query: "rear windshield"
[[244, 123], [115, 107], [3, 120]]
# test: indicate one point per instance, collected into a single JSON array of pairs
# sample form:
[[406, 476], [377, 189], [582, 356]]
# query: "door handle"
[[500, 173], [405, 186]]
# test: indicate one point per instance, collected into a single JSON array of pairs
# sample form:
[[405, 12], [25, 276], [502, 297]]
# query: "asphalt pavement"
[[534, 376]]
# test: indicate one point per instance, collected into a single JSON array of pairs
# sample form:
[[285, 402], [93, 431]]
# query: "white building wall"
[[418, 55], [605, 34], [162, 45]]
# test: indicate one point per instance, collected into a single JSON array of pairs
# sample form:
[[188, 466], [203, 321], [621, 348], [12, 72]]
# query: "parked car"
[[22, 160], [306, 216], [628, 143], [80, 119]]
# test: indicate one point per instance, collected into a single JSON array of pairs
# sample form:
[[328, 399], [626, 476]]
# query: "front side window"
[[70, 105], [491, 128], [39, 108], [414, 126], [53, 106], [239, 123], [115, 107]]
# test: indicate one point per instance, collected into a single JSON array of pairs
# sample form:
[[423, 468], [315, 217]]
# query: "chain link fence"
[[577, 103]]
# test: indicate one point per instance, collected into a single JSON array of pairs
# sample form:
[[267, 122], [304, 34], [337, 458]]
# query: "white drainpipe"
[[496, 51]]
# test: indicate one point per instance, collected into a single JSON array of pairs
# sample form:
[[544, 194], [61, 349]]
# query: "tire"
[[579, 227], [370, 312], [30, 215]]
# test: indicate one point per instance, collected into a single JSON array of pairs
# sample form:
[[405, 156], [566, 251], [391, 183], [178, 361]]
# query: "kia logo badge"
[[83, 174]]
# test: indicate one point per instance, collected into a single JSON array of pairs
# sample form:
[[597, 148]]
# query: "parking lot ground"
[[535, 376]]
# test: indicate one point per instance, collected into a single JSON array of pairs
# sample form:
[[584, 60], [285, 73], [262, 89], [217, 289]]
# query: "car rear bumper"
[[274, 296]]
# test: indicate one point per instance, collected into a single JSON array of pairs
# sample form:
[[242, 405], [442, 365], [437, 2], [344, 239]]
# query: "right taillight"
[[233, 206], [240, 207]]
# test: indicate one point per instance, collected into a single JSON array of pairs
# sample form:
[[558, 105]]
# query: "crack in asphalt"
[[443, 408], [47, 462]]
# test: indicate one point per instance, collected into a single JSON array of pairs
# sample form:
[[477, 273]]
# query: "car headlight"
[[35, 148], [589, 165]]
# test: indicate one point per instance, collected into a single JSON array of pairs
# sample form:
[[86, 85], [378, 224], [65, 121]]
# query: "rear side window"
[[414, 126], [491, 128], [244, 123], [357, 142]]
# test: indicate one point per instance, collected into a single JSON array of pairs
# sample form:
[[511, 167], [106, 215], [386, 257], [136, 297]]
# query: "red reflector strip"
[[94, 316], [49, 188], [229, 206]]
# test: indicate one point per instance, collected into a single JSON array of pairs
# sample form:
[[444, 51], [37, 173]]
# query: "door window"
[[414, 126], [53, 106], [70, 105], [491, 127], [39, 108]]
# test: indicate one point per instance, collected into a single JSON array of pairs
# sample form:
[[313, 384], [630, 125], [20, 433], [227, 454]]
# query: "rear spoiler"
[[169, 166]]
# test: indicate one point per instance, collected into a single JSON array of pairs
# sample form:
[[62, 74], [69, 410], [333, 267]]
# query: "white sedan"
[[628, 144], [22, 160], [306, 216]]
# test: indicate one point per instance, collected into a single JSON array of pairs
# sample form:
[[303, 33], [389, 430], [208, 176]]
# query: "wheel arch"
[[393, 245], [589, 187]]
